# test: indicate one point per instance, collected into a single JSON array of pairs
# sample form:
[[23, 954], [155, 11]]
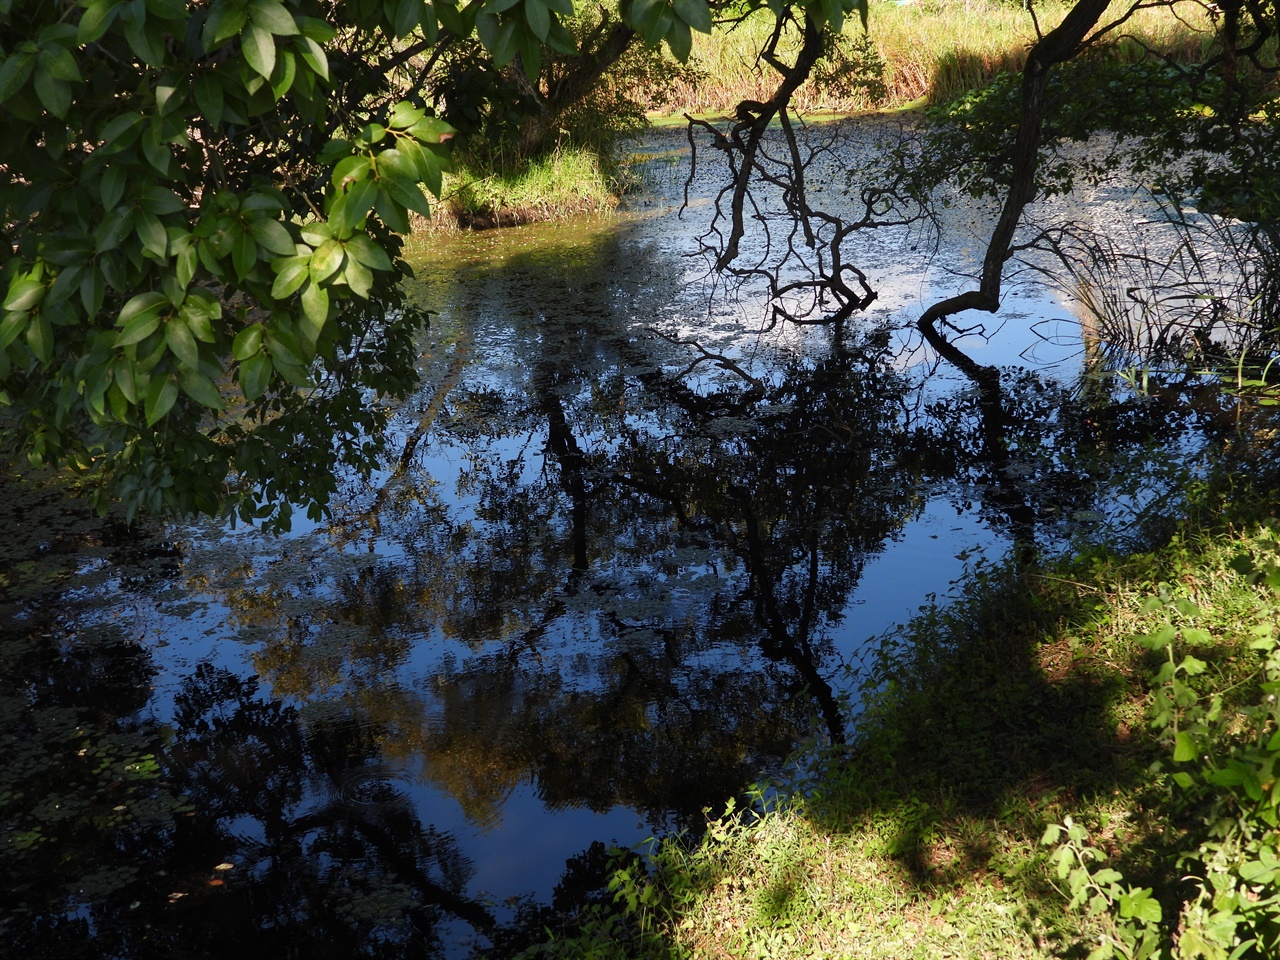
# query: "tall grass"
[[567, 182], [927, 51]]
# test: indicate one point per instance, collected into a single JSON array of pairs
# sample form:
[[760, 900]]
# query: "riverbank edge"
[[1067, 760]]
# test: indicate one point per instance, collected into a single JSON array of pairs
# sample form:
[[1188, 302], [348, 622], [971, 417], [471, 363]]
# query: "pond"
[[629, 547]]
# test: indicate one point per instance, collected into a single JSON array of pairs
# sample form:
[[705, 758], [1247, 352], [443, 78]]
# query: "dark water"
[[628, 549]]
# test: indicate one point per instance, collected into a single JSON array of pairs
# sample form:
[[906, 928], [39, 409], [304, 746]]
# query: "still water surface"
[[629, 547]]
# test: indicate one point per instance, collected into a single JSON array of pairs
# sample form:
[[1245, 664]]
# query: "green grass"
[[1109, 693], [568, 182]]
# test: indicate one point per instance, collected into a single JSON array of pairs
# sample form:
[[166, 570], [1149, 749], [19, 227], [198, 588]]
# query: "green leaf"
[[226, 19], [290, 274], [152, 234], [1139, 905], [315, 310], [423, 163], [140, 305], [272, 236], [432, 130], [167, 9], [200, 389], [122, 375], [93, 291], [244, 252], [14, 73], [316, 233], [371, 135], [65, 284], [248, 342], [407, 195], [286, 357], [95, 20], [487, 30], [1193, 667], [326, 260], [695, 13], [40, 337], [146, 41], [357, 276], [362, 248], [185, 258], [24, 293], [120, 131], [351, 209], [832, 13], [11, 326], [155, 150], [255, 373], [457, 21], [209, 97], [162, 393], [259, 50], [680, 40], [404, 16], [160, 201], [208, 90], [286, 73], [314, 56], [58, 62], [273, 17], [538, 18], [168, 97], [1185, 748], [55, 94], [1161, 638], [178, 338], [404, 115], [393, 214], [140, 318], [350, 169]]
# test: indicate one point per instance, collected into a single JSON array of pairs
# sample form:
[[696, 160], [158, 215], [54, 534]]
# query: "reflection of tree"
[[614, 565], [643, 569], [1036, 453], [234, 827], [328, 858]]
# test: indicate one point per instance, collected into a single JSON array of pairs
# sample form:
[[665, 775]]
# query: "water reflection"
[[608, 570]]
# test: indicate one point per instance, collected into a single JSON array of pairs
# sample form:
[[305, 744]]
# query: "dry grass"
[[929, 52]]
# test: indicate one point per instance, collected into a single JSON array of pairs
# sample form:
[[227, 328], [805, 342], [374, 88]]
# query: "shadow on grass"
[[982, 710]]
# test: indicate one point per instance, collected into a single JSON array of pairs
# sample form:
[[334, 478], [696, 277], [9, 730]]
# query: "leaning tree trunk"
[[600, 51]]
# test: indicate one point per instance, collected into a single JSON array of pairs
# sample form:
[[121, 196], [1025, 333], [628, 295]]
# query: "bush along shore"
[[1071, 760]]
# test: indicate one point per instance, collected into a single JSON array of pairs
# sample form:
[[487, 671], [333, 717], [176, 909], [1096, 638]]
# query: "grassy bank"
[[921, 51], [1077, 760]]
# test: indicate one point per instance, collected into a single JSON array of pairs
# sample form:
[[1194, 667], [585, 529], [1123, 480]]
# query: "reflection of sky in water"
[[508, 307]]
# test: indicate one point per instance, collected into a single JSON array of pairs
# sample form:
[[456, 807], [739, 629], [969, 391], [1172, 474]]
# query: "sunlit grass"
[[569, 181], [930, 52]]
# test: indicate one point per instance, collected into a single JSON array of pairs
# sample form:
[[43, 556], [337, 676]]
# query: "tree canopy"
[[202, 205], [202, 202]]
